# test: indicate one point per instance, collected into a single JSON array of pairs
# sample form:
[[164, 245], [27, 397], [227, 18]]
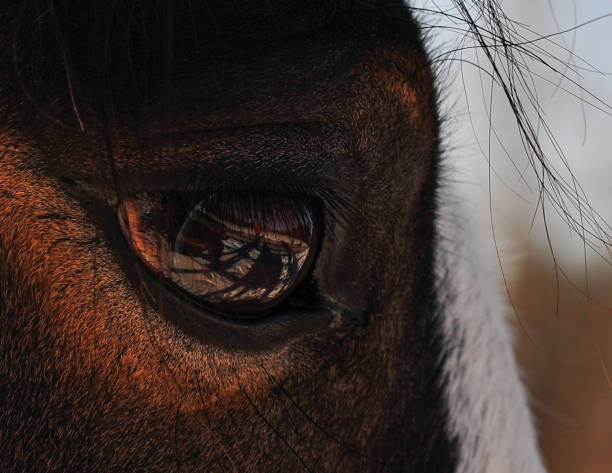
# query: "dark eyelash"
[[329, 194], [254, 210]]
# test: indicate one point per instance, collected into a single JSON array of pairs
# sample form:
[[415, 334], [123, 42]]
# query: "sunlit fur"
[[333, 99]]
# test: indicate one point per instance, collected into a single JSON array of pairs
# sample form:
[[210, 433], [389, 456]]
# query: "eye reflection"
[[236, 253]]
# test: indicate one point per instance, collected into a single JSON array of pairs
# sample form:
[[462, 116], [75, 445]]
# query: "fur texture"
[[339, 100], [485, 398]]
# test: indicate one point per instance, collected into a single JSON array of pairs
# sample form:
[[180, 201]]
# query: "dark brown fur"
[[95, 377]]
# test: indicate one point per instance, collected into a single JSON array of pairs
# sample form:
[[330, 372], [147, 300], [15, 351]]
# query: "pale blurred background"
[[564, 339]]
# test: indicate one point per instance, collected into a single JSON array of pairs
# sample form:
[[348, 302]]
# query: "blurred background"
[[559, 289]]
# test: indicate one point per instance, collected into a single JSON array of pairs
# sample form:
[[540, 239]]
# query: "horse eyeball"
[[235, 253]]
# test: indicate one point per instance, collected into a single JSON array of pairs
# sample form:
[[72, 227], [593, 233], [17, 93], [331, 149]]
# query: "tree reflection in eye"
[[237, 253]]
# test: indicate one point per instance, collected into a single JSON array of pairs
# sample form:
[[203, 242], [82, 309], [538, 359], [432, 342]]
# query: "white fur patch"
[[486, 402]]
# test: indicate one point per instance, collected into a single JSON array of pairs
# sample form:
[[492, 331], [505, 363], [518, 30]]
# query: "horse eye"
[[238, 254]]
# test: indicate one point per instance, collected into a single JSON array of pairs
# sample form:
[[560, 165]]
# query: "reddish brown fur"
[[99, 380]]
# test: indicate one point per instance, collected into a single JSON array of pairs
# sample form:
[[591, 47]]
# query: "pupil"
[[221, 256]]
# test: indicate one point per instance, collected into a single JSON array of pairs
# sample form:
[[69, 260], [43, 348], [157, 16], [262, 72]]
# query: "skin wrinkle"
[[327, 103]]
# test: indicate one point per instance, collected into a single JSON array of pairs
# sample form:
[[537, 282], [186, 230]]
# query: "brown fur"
[[96, 378]]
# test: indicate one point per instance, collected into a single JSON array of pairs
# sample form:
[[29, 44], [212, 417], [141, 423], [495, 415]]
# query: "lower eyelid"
[[238, 335]]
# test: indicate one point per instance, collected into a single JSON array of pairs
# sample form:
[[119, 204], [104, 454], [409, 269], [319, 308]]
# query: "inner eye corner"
[[236, 255]]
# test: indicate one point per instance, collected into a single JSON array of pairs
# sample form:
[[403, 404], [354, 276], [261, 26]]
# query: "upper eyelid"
[[301, 158], [275, 157], [299, 142]]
